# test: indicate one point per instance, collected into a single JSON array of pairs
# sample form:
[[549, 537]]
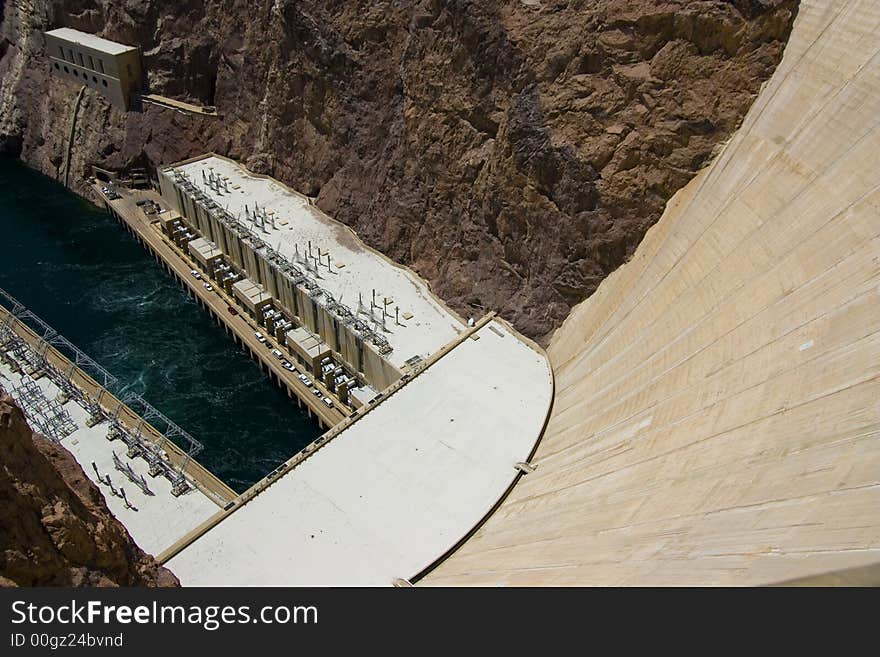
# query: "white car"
[[196, 275], [316, 392], [277, 354], [327, 402], [305, 379], [208, 286], [259, 337]]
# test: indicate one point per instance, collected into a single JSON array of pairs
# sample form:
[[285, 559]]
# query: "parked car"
[[259, 336], [277, 354], [232, 311], [316, 392], [208, 286], [327, 402]]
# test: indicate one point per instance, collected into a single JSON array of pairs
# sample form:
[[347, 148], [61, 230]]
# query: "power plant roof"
[[416, 322]]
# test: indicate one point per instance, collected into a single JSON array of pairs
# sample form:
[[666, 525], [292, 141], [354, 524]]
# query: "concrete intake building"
[[111, 68]]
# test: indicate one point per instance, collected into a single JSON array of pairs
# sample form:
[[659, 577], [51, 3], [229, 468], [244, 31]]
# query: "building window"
[[81, 62], [56, 64], [128, 68], [66, 70], [62, 52], [70, 56], [104, 82], [75, 73], [101, 65], [91, 63], [94, 79]]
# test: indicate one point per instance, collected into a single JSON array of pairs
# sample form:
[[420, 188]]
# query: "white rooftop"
[[161, 519], [394, 492], [297, 222], [363, 394], [90, 41], [204, 246], [310, 342]]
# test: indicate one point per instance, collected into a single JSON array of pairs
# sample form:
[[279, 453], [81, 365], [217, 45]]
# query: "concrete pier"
[[389, 491]]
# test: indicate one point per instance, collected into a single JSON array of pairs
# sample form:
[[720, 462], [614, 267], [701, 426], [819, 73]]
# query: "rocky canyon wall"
[[513, 153], [55, 528]]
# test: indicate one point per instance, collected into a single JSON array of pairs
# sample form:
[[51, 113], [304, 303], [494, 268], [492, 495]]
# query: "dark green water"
[[79, 270]]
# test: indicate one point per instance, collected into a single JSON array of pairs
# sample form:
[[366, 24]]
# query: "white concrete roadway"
[[399, 488]]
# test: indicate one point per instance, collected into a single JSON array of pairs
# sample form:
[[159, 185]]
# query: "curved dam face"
[[717, 409]]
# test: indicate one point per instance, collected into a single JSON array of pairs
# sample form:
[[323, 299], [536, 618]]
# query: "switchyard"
[[151, 483], [136, 211]]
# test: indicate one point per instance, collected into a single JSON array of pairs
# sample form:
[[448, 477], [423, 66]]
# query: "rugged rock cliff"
[[512, 152], [55, 528]]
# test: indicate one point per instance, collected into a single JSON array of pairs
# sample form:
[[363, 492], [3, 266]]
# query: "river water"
[[82, 273]]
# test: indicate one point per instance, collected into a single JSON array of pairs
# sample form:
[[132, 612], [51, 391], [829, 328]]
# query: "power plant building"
[[377, 317]]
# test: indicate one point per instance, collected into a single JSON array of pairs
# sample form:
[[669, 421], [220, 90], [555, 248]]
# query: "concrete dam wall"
[[717, 408]]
